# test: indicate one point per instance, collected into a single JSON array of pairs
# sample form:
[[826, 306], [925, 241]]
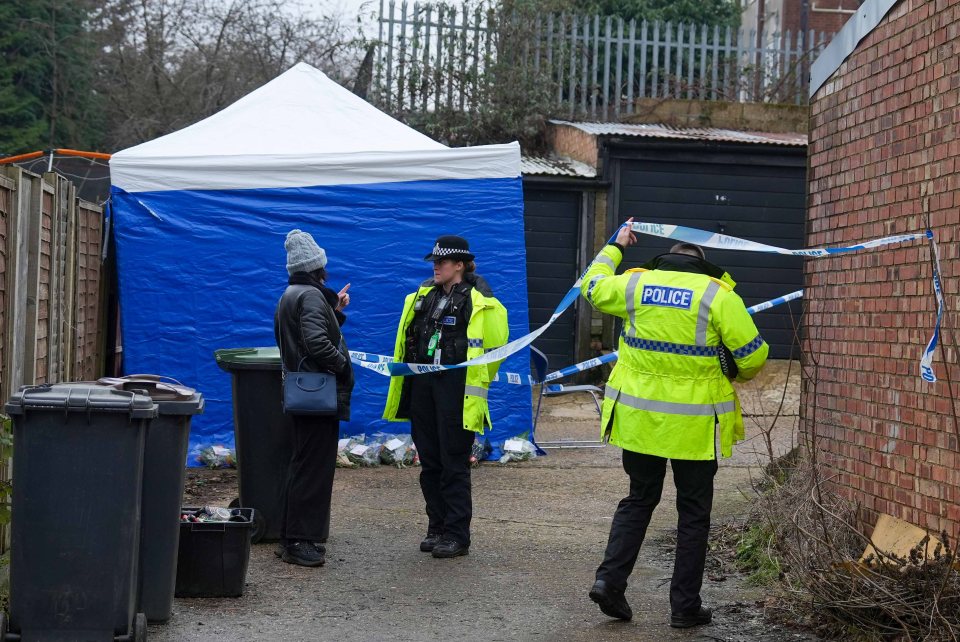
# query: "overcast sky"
[[350, 10]]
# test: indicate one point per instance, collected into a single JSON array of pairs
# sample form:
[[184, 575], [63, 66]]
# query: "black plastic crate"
[[213, 556]]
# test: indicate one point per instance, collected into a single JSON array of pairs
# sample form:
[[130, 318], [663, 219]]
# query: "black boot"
[[686, 620], [304, 553], [450, 548], [611, 601], [430, 542]]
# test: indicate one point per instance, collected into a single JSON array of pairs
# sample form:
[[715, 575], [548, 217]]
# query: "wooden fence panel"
[[7, 195], [51, 290], [42, 332], [89, 331]]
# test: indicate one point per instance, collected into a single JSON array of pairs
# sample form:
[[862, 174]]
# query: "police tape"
[[388, 367], [926, 360], [393, 368], [516, 378], [717, 241]]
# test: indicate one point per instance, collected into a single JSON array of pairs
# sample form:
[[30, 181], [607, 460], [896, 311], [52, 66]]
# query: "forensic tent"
[[200, 217]]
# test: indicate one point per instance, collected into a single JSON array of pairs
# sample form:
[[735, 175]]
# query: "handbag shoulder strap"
[[332, 317]]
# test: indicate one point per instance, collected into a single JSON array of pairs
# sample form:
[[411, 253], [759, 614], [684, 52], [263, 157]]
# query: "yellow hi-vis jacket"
[[667, 393], [487, 329]]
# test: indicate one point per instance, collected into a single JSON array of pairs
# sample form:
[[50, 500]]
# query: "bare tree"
[[165, 64]]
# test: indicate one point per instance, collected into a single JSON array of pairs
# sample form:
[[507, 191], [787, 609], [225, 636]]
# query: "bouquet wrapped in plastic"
[[398, 450], [217, 457], [365, 453], [518, 449], [479, 451], [342, 447]]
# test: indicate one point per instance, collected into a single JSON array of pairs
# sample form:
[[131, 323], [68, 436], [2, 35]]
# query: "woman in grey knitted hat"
[[307, 329]]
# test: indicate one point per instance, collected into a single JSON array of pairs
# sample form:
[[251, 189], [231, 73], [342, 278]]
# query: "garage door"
[[551, 225], [753, 196]]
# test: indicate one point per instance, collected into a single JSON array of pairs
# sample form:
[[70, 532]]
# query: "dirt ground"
[[539, 531]]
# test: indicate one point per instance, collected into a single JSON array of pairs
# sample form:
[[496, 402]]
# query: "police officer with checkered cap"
[[449, 319]]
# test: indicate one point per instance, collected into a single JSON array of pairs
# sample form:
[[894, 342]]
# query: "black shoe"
[[281, 547], [304, 554], [450, 548], [611, 601], [685, 621], [430, 542]]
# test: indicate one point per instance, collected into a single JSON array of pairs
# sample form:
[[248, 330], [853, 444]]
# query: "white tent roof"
[[301, 129]]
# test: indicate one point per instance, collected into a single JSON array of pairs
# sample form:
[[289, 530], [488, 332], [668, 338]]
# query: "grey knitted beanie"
[[303, 253]]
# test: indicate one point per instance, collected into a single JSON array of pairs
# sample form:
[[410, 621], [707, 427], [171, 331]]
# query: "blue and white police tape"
[[704, 238], [724, 242], [612, 356], [364, 358], [394, 369], [926, 360]]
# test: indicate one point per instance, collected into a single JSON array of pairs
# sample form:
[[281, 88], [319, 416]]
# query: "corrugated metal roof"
[[678, 133], [555, 166]]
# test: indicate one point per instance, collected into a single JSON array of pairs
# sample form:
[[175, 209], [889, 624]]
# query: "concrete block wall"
[[885, 151]]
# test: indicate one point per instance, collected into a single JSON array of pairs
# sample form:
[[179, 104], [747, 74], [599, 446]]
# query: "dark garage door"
[[551, 223], [756, 196]]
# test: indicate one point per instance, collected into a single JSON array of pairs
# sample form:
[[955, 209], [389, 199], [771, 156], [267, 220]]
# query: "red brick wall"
[[884, 134], [572, 142], [818, 21]]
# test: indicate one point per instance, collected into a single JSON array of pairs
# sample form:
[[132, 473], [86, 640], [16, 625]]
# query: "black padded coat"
[[307, 329]]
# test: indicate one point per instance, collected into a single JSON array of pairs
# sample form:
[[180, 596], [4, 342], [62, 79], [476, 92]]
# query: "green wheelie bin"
[[261, 434]]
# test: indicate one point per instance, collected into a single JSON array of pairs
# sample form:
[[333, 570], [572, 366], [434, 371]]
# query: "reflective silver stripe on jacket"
[[631, 301], [670, 407], [606, 260], [703, 313], [475, 391]]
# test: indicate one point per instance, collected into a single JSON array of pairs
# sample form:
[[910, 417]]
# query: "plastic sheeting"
[[202, 267]]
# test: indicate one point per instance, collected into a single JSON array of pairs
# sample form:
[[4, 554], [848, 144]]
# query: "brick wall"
[[572, 142], [825, 20], [883, 136]]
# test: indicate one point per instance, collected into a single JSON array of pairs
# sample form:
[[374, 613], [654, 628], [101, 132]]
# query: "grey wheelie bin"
[[164, 468], [77, 476], [261, 432]]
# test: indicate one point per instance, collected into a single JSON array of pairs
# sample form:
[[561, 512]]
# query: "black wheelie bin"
[[261, 433], [77, 475], [164, 468]]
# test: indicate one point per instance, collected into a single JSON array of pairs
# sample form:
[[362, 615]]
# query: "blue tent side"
[[201, 270]]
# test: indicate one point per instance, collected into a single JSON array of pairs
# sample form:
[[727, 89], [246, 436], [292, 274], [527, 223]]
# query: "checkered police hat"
[[450, 247]]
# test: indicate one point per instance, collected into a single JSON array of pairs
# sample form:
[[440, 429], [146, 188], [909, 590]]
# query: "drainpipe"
[[761, 19]]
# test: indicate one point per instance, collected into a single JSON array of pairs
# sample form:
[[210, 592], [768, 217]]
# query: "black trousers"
[[306, 497], [436, 420], [694, 482]]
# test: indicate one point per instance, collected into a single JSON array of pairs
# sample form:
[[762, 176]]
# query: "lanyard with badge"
[[436, 319]]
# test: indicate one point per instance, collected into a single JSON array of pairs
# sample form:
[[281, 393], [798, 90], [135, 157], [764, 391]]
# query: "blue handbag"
[[309, 393]]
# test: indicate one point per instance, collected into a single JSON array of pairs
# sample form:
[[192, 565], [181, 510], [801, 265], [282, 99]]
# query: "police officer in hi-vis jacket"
[[451, 318], [669, 399]]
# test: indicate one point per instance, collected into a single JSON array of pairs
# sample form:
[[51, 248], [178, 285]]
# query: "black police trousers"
[[694, 482], [436, 421], [309, 488]]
